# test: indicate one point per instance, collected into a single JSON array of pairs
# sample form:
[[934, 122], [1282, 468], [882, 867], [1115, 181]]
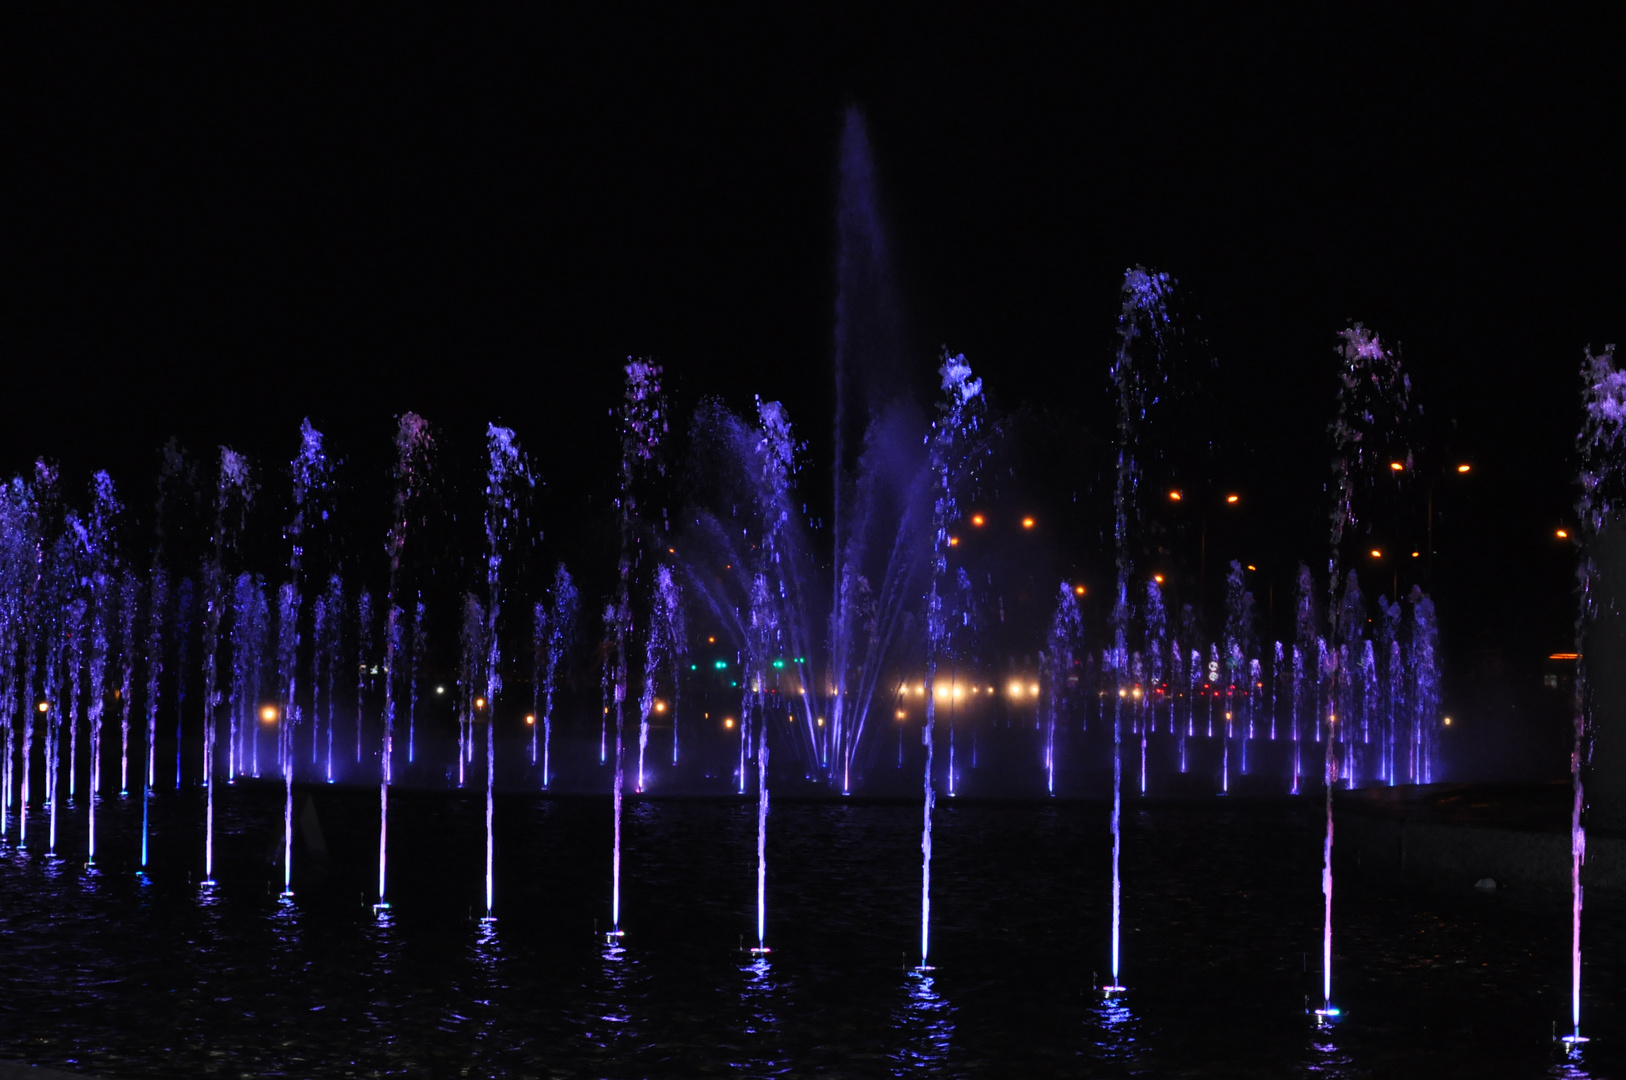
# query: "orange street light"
[[1174, 496], [45, 706], [479, 703], [1464, 468], [954, 541], [1158, 578], [1376, 554], [977, 520], [1563, 535], [728, 722], [1078, 590], [268, 713], [1027, 523], [1232, 498], [1396, 465]]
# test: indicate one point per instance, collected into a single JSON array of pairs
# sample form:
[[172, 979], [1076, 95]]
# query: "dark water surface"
[[103, 972]]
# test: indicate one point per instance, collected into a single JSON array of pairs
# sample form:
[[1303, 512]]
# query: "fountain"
[[643, 425], [1137, 379], [412, 446], [507, 476], [232, 491], [1602, 443], [813, 630], [555, 627]]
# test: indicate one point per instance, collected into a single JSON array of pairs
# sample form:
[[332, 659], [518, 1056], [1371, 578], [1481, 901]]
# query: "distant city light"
[[1396, 466], [729, 722], [1415, 554], [1376, 554], [1174, 496], [954, 541], [1252, 567], [529, 719], [1232, 498], [1016, 689], [1447, 721], [821, 721], [1563, 534], [268, 713], [902, 714], [1158, 578], [440, 689], [1554, 656], [1078, 589], [1463, 468], [977, 519], [479, 703], [1027, 523]]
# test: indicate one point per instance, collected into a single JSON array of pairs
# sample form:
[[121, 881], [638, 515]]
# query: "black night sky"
[[214, 225]]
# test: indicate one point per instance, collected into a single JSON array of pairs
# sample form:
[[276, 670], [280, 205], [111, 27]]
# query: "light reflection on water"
[[127, 976], [925, 1024]]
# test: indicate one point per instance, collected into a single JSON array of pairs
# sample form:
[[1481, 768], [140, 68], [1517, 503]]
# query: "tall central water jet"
[[957, 449], [878, 513]]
